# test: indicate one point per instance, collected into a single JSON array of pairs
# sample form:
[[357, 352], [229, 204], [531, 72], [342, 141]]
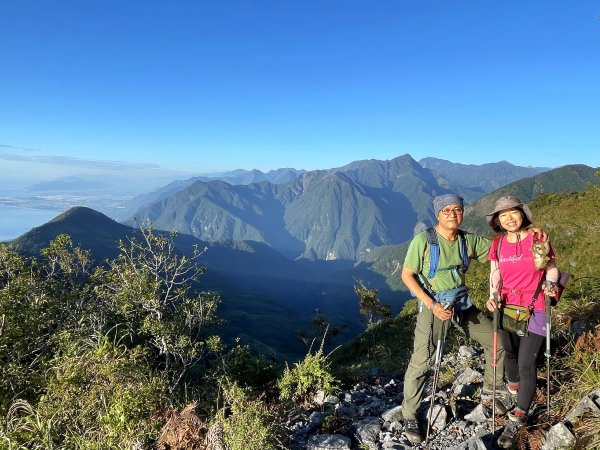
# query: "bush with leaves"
[[242, 366], [371, 308], [25, 311], [39, 300], [149, 287], [69, 390], [247, 422], [307, 377], [102, 395]]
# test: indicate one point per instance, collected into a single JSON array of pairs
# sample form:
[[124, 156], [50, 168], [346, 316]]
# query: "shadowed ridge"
[[88, 228]]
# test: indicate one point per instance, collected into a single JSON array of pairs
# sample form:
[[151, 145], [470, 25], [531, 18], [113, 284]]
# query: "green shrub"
[[247, 423], [103, 396], [149, 287], [307, 377], [246, 369], [386, 345]]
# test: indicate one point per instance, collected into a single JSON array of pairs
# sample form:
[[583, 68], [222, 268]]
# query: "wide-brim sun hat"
[[503, 203]]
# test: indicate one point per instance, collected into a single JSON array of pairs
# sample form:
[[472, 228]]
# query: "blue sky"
[[196, 86]]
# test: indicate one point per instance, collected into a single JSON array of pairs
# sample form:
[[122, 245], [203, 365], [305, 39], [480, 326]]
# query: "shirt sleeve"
[[551, 254], [414, 255], [480, 248], [495, 277]]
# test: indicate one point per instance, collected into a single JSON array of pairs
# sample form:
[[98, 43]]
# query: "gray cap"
[[442, 201], [508, 202]]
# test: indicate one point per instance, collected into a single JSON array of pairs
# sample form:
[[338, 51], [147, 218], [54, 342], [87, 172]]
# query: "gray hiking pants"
[[475, 324]]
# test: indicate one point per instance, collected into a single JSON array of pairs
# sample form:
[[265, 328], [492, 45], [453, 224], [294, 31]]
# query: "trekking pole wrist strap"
[[432, 305]]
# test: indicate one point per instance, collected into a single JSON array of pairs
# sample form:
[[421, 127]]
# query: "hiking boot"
[[507, 438], [412, 432], [503, 405], [515, 419], [502, 391], [504, 401]]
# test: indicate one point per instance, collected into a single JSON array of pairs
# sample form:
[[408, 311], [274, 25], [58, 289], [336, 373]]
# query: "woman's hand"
[[550, 288], [538, 233], [491, 304]]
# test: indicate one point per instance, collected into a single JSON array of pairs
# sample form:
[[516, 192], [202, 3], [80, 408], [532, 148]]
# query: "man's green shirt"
[[417, 258]]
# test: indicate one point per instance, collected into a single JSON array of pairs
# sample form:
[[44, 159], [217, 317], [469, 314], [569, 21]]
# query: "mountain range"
[[575, 178], [235, 177], [473, 181], [340, 214], [280, 252]]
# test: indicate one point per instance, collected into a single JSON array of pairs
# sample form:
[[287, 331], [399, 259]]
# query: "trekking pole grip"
[[496, 311]]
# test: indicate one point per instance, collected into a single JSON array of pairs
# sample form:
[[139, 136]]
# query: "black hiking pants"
[[520, 355]]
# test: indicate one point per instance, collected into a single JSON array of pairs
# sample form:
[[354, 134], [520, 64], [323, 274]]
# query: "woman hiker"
[[522, 273]]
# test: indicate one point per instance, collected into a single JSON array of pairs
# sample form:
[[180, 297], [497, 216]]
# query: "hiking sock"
[[513, 387]]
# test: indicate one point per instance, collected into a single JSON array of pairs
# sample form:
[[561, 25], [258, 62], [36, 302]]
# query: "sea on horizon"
[[14, 221]]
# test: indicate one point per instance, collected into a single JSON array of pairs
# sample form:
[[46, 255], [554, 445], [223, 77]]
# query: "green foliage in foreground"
[[94, 358], [242, 367], [89, 358], [300, 383], [247, 422], [102, 394]]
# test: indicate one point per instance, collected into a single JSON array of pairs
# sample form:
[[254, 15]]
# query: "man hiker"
[[437, 279]]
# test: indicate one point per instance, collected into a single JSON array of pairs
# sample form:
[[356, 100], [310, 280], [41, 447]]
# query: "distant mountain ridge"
[[69, 184], [235, 177], [341, 213], [482, 178], [333, 214], [572, 178]]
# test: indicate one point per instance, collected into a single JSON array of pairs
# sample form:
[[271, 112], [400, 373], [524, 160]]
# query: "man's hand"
[[441, 313]]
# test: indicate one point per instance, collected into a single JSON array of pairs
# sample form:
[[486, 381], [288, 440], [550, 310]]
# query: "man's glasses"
[[448, 211]]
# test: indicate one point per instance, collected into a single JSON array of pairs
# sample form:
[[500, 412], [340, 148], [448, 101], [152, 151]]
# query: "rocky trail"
[[368, 416]]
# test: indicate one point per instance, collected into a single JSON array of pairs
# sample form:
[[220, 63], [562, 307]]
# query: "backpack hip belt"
[[520, 293]]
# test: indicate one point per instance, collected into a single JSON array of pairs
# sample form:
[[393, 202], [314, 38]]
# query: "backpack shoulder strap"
[[434, 251], [464, 252], [495, 252], [495, 247]]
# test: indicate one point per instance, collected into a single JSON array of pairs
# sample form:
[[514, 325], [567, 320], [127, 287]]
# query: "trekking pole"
[[548, 325], [436, 371], [495, 360]]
